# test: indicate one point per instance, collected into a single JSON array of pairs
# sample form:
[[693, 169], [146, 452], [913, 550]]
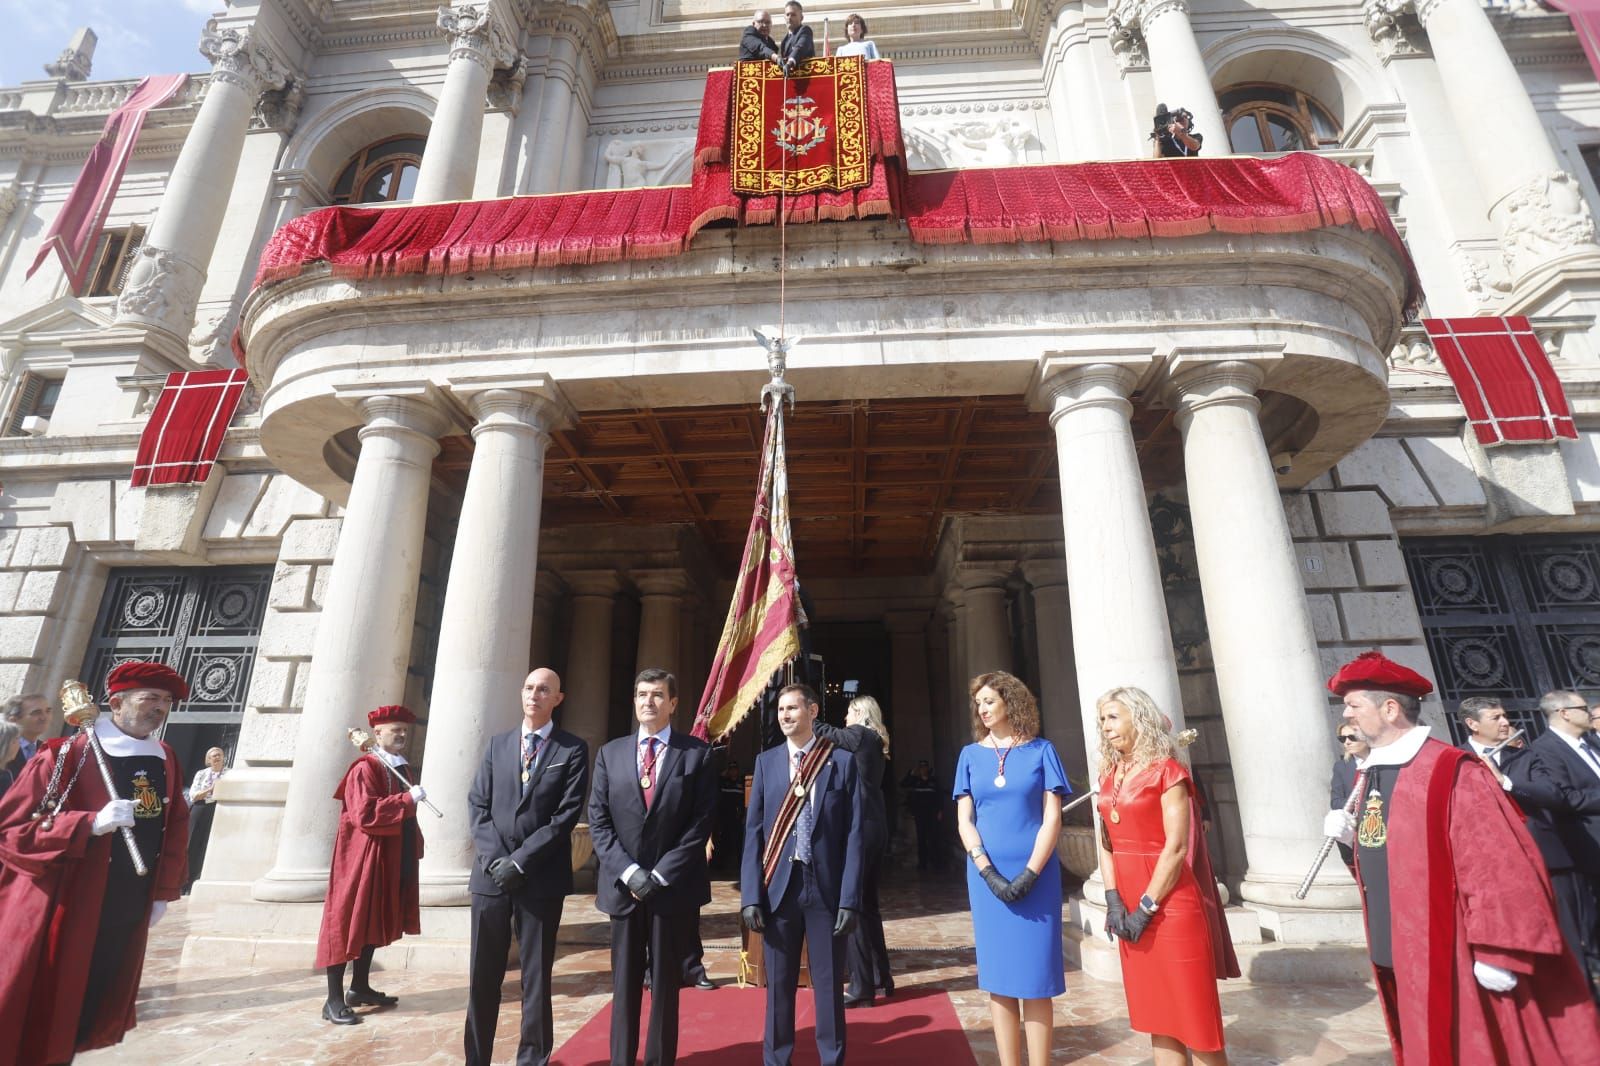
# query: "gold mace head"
[[1185, 738], [361, 739], [76, 706]]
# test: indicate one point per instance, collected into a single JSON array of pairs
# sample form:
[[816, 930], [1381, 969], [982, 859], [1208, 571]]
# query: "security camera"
[[1282, 462]]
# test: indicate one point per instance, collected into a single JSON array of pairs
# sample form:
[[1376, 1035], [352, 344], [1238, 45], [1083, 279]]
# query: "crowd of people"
[[1477, 867]]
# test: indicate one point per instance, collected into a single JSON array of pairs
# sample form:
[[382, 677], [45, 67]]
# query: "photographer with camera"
[[1174, 134]]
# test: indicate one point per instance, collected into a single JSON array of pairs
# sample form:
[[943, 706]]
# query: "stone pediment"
[[51, 321]]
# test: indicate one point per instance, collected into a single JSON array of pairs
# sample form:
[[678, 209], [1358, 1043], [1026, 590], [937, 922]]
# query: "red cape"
[[1468, 884], [52, 882], [368, 900]]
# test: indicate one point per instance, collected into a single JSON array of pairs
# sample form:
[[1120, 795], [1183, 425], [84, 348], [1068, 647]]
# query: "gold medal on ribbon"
[[800, 791], [1000, 782], [1115, 817], [644, 782], [524, 776]]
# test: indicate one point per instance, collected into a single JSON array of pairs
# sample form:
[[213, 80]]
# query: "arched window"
[[382, 172], [1275, 118]]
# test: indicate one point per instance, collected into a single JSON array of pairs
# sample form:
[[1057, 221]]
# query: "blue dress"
[[1019, 944]]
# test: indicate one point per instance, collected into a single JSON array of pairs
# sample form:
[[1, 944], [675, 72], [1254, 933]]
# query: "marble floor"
[[216, 1014]]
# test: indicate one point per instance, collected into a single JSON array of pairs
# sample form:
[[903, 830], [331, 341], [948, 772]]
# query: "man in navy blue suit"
[[801, 876]]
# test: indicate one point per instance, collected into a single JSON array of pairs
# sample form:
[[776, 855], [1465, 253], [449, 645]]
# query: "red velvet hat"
[[135, 674], [393, 712], [1373, 670]]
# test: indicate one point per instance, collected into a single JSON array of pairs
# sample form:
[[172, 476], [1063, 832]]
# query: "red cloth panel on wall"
[[1505, 380], [185, 431]]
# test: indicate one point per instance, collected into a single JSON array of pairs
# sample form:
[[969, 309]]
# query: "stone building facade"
[[1214, 466]]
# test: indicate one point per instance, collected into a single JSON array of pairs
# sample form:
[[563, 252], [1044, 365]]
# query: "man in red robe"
[[75, 914], [1470, 964], [372, 883]]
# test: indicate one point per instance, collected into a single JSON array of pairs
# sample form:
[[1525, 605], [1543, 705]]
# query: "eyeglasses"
[[1348, 738]]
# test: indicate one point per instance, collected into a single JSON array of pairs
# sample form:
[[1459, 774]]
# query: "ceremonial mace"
[[79, 710], [1329, 842], [1496, 749], [366, 742]]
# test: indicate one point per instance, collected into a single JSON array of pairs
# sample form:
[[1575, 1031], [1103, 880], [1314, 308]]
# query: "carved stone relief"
[[476, 34], [637, 164], [240, 58], [162, 290], [279, 109], [984, 142], [1391, 24], [1543, 217], [1484, 282]]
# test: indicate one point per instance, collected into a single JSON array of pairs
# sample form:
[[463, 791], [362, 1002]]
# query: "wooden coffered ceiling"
[[870, 481]]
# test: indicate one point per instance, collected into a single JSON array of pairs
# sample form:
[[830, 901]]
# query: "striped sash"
[[789, 813]]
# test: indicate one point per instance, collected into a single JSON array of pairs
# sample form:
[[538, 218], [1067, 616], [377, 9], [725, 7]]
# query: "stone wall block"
[[14, 677], [302, 675], [310, 540], [10, 585], [1380, 616], [271, 738], [284, 500], [1354, 514], [288, 634], [319, 586], [128, 505], [291, 586], [1384, 464], [232, 507], [40, 592], [1380, 562], [8, 540], [1326, 565], [1325, 618], [41, 548], [1443, 461], [85, 507], [270, 684], [1302, 520], [19, 638]]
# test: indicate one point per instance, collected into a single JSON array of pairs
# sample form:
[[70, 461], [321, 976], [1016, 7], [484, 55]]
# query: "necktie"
[[647, 771], [531, 743], [803, 825]]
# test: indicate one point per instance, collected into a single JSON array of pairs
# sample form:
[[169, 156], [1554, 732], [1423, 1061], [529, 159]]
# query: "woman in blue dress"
[[1008, 793]]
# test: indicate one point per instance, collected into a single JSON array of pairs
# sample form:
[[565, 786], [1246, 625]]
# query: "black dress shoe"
[[705, 984], [857, 1001], [368, 997], [887, 988], [339, 1014]]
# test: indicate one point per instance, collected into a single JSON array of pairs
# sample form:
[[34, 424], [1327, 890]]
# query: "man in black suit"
[[1563, 769], [31, 715], [805, 886], [757, 43], [524, 802], [797, 46], [654, 799]]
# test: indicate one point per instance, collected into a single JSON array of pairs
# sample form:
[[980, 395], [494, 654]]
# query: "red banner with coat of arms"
[[800, 134]]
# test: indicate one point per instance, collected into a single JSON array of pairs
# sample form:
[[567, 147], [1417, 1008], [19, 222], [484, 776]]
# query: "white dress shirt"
[[1586, 754], [638, 763]]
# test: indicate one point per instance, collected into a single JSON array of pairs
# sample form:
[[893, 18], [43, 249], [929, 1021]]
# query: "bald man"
[[757, 43], [524, 803]]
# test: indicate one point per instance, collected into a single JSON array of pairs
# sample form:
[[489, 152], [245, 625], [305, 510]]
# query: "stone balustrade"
[[1414, 351]]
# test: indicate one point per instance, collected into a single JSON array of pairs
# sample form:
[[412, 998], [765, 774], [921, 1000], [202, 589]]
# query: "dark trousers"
[[1578, 913], [927, 840], [802, 916], [867, 951], [535, 922], [664, 934]]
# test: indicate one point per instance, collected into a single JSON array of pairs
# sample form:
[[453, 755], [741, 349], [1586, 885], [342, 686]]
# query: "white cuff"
[[1493, 977], [627, 874], [662, 881]]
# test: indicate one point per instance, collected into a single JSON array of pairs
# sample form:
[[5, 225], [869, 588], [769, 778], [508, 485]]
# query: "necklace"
[[1001, 754], [1116, 793]]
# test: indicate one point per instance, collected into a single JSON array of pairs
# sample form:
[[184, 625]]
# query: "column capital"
[[1042, 574], [241, 58], [1202, 383], [972, 578], [593, 584], [547, 588], [476, 34], [407, 406], [534, 400], [670, 582], [1069, 383]]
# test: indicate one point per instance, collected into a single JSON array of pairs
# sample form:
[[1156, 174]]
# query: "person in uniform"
[[1470, 964], [75, 911], [372, 881]]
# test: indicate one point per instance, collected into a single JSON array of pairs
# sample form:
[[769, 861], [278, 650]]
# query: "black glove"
[[845, 922], [1020, 884], [1116, 913], [504, 873], [642, 885], [752, 918], [1133, 926], [997, 884]]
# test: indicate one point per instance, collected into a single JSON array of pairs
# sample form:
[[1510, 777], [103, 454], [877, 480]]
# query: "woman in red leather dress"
[[1152, 856]]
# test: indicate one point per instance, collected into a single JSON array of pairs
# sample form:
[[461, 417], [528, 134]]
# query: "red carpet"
[[724, 1026]]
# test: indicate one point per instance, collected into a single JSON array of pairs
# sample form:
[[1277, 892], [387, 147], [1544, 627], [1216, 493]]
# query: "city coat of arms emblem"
[[799, 129]]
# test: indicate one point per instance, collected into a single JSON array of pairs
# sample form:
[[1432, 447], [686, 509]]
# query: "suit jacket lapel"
[[665, 765], [546, 755]]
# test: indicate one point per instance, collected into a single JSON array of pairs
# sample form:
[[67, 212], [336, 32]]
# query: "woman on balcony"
[[855, 29]]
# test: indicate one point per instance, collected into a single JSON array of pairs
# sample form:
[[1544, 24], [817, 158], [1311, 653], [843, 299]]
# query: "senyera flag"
[[762, 632], [806, 132]]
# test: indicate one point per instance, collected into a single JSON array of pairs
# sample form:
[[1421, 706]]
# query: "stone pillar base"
[[1301, 927], [291, 886], [444, 888]]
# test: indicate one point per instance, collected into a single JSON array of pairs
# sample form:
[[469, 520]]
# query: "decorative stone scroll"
[[239, 58], [1544, 216], [1391, 24], [476, 34]]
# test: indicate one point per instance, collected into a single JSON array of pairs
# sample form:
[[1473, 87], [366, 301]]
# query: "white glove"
[[1493, 977], [1341, 825], [158, 911], [118, 814], [418, 794]]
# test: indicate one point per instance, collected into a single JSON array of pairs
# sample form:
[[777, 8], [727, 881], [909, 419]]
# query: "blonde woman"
[[1008, 790], [866, 737], [1152, 852], [202, 796]]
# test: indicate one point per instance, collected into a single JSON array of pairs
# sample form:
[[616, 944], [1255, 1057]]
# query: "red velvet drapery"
[[1506, 383], [184, 435]]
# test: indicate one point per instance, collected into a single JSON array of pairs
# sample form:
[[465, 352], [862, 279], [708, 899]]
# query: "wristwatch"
[[1148, 905], [975, 852]]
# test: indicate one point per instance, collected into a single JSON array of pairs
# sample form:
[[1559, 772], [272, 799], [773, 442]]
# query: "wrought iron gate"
[[1510, 616], [205, 624]]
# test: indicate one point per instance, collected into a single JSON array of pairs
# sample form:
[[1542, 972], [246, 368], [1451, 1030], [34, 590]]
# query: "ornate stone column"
[[988, 622], [547, 593], [1120, 634], [557, 107], [960, 709], [164, 281], [908, 678], [1176, 67], [1537, 206], [485, 627], [450, 161], [588, 682], [1269, 675], [363, 643], [661, 594], [1059, 704]]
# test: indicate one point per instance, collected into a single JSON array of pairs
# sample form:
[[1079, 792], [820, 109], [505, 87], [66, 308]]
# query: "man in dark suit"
[[805, 888], [797, 46], [654, 799], [757, 43], [524, 802], [1563, 769], [31, 715]]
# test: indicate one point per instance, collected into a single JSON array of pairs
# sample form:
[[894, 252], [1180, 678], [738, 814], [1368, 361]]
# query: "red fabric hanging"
[[1505, 381], [181, 441]]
